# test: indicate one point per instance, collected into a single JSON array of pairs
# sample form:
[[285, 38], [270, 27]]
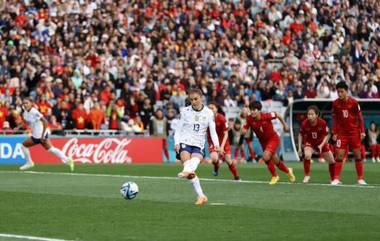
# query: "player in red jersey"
[[314, 136], [225, 147], [261, 124], [348, 131]]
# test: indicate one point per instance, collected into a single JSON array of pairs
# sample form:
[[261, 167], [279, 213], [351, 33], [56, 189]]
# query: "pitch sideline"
[[26, 237], [175, 178]]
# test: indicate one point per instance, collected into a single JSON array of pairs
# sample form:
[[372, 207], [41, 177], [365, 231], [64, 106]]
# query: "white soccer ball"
[[129, 190]]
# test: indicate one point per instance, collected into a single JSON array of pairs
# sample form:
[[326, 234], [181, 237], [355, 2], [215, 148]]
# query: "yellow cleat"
[[201, 200], [274, 180], [71, 164], [291, 176]]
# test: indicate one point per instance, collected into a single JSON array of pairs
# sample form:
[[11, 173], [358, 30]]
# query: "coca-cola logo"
[[109, 150]]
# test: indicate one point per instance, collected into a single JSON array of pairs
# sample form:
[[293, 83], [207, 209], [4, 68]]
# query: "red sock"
[[216, 166], [373, 150], [331, 171], [306, 167], [166, 154], [271, 168], [359, 168], [236, 153], [242, 153], [281, 165], [233, 169], [378, 150], [251, 153], [338, 169]]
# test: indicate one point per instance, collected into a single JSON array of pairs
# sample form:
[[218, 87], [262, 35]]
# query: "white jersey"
[[33, 119], [192, 127]]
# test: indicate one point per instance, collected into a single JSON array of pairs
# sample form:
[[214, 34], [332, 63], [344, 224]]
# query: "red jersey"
[[347, 117], [263, 128], [221, 126], [44, 107], [313, 134], [80, 118]]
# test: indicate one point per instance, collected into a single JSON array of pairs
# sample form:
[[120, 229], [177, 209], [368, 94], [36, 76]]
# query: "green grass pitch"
[[86, 205]]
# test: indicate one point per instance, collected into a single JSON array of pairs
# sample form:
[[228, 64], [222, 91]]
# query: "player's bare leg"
[[308, 151], [25, 149], [359, 165], [215, 162], [252, 153]]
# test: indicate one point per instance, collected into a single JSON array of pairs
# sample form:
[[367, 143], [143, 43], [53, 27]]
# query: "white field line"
[[176, 178], [25, 237]]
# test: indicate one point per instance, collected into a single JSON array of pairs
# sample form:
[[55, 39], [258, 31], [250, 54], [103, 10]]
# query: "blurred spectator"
[[96, 116], [55, 126], [159, 127], [3, 113], [44, 107], [105, 50], [80, 117], [373, 136], [146, 113], [114, 115]]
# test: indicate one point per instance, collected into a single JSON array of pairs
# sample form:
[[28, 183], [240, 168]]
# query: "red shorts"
[[346, 142], [325, 147], [271, 145], [227, 148]]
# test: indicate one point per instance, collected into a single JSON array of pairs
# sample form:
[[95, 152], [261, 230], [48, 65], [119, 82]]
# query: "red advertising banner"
[[102, 150]]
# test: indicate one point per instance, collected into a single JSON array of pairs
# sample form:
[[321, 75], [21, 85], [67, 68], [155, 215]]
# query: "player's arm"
[[334, 125], [361, 122], [177, 133], [325, 140], [300, 144], [214, 135], [44, 127], [283, 123], [225, 137]]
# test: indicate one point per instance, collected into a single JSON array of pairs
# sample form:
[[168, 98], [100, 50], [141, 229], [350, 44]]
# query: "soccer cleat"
[[373, 160], [71, 164], [306, 179], [336, 182], [237, 178], [215, 173], [185, 174], [26, 166], [201, 200], [378, 159], [362, 182], [291, 176], [274, 180]]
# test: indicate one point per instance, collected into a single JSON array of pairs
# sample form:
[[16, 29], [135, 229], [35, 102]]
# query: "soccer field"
[[50, 202]]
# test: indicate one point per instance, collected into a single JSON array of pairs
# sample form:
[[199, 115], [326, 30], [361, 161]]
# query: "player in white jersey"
[[190, 137], [38, 124]]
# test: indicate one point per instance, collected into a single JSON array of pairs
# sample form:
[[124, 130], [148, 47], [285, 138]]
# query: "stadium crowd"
[[92, 64]]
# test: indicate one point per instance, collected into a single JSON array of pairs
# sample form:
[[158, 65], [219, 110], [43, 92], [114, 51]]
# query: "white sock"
[[59, 154], [26, 152], [191, 165], [194, 163], [197, 186]]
